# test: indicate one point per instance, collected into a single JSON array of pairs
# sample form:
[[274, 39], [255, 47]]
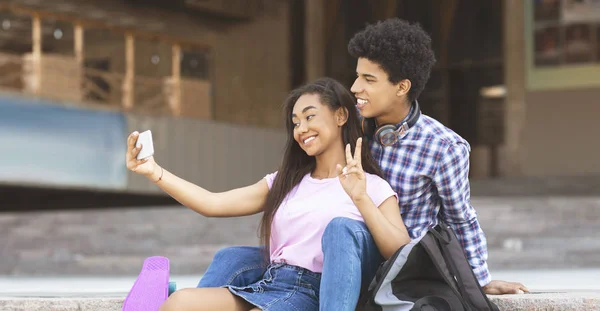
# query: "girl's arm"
[[237, 202], [385, 224]]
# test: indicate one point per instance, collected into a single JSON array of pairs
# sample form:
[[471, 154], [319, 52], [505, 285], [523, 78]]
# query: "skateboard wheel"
[[172, 287]]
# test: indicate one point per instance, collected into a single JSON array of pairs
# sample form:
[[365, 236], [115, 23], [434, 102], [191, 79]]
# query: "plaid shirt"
[[428, 168]]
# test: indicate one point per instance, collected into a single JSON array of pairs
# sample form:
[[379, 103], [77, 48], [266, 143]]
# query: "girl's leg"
[[350, 261], [205, 299], [236, 265]]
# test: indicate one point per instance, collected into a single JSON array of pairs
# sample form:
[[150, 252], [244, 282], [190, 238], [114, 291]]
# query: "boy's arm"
[[452, 182]]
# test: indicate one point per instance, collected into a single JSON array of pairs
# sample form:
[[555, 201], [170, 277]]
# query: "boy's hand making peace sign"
[[352, 175]]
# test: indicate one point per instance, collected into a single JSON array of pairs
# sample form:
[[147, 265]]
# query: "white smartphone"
[[145, 140]]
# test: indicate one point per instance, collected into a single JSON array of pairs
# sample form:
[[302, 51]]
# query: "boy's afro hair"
[[403, 51]]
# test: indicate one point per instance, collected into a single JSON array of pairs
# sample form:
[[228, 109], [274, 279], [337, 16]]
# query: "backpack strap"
[[433, 249], [467, 282]]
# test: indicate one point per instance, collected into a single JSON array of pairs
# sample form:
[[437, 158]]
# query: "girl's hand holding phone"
[[146, 166]]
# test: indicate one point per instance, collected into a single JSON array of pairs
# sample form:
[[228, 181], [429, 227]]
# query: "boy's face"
[[376, 96]]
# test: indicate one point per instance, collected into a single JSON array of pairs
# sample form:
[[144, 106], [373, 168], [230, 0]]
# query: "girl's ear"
[[341, 116]]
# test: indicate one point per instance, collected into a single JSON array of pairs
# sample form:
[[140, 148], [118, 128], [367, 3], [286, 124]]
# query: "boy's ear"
[[403, 87], [341, 116]]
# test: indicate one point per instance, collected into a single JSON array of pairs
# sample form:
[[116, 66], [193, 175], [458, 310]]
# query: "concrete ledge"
[[61, 304], [549, 301], [531, 302]]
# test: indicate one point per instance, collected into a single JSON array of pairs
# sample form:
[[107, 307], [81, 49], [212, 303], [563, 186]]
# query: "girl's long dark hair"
[[296, 163]]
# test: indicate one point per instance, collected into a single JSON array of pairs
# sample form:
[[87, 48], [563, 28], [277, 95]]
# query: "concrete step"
[[522, 233], [541, 232], [562, 301], [584, 185]]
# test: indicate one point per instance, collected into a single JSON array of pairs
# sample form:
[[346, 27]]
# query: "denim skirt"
[[283, 287]]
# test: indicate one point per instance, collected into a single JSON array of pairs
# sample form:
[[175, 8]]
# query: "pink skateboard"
[[152, 286]]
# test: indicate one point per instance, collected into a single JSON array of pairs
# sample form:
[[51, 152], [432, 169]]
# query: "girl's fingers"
[[357, 151], [348, 154], [352, 170]]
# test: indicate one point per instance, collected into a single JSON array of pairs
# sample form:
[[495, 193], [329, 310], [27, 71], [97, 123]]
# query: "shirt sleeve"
[[452, 182], [270, 178], [379, 190]]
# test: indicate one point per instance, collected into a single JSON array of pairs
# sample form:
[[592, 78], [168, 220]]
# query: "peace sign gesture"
[[352, 177]]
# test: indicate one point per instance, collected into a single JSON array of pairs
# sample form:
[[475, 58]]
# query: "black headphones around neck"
[[389, 134]]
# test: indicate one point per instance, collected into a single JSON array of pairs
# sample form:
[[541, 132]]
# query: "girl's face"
[[316, 127]]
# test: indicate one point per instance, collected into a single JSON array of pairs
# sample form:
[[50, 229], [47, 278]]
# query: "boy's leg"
[[237, 266], [350, 262]]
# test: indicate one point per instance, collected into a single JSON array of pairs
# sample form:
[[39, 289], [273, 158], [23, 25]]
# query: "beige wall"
[[562, 133], [560, 136], [252, 75]]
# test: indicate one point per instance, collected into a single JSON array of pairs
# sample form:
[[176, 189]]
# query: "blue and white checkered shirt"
[[429, 169]]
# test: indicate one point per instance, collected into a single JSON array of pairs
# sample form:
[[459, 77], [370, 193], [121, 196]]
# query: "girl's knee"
[[344, 226], [344, 233]]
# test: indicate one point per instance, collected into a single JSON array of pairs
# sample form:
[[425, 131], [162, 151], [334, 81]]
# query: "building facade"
[[208, 78]]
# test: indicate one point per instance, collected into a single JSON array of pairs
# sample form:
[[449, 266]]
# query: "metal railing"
[[67, 78]]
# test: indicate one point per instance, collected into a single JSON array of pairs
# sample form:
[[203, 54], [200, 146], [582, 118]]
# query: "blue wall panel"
[[42, 143]]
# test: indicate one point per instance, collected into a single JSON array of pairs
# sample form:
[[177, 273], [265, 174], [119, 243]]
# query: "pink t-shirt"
[[301, 219]]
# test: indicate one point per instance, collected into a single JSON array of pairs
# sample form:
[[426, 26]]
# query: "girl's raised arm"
[[237, 202]]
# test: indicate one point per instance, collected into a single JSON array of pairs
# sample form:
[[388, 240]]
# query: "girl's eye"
[[309, 117]]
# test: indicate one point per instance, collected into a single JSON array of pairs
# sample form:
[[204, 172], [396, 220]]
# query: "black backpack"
[[430, 273]]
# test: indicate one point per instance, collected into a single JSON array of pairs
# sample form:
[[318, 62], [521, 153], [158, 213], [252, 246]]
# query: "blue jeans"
[[350, 260]]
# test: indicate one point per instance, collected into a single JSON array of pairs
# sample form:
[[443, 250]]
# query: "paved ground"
[[105, 286], [564, 301]]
